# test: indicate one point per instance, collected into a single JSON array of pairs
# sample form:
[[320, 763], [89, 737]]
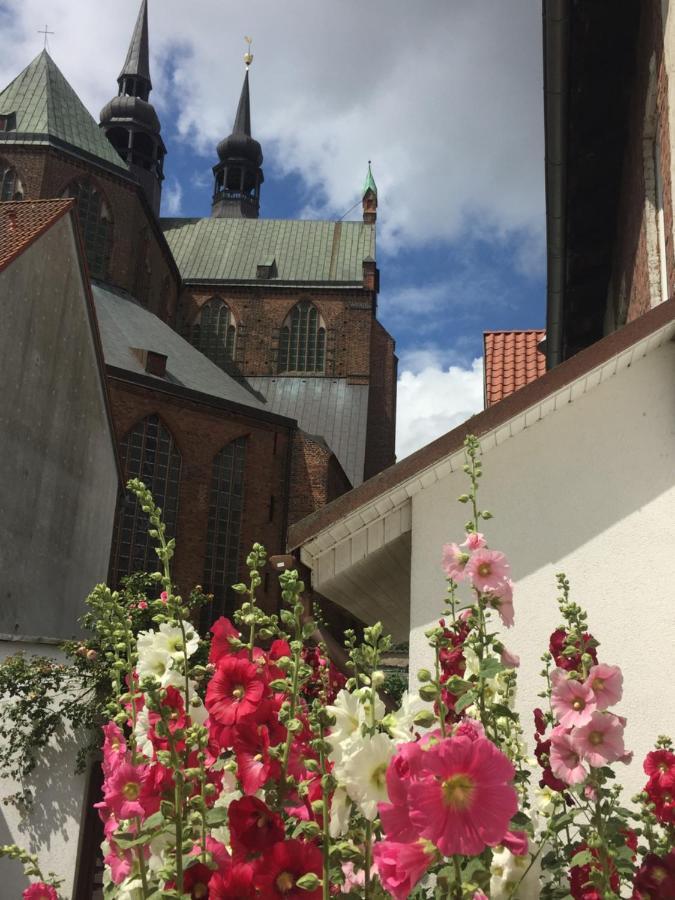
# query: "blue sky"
[[445, 97]]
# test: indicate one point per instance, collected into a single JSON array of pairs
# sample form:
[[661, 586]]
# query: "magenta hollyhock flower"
[[114, 747], [564, 758], [487, 569], [126, 793], [606, 682], [517, 842], [400, 866], [601, 740], [573, 702], [395, 816], [454, 562], [40, 891], [474, 541], [464, 800]]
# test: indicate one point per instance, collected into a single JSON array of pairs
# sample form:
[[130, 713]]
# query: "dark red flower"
[[254, 764], [660, 766], [581, 887], [280, 869], [235, 691], [539, 721], [559, 642], [237, 883], [655, 879], [542, 750], [253, 827], [222, 630]]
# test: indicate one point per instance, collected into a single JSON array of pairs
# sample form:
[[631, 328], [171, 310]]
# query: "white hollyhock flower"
[[173, 638], [158, 665], [506, 872], [471, 661], [400, 723], [228, 793], [340, 809], [350, 713], [364, 773], [141, 728], [546, 800]]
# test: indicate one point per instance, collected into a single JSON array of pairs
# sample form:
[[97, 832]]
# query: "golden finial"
[[248, 56]]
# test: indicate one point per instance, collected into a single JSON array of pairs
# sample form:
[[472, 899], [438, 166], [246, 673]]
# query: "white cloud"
[[444, 97], [172, 198], [433, 400]]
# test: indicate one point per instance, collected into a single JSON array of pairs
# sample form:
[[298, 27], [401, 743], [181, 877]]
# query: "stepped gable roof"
[[49, 112], [512, 360], [308, 252], [329, 407], [128, 328], [23, 221]]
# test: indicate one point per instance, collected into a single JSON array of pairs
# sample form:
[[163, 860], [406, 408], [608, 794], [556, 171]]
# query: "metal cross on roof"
[[46, 32]]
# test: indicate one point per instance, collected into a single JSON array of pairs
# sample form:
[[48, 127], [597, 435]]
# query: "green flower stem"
[[458, 877], [367, 857], [325, 815], [441, 706], [294, 697]]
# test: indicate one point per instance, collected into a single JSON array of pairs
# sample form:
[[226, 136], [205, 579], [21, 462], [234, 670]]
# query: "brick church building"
[[248, 378]]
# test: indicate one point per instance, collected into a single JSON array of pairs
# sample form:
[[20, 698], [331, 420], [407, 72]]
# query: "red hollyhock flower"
[[660, 766], [238, 883], [542, 751], [656, 878], [254, 764], [222, 630], [197, 877], [280, 869], [254, 828], [235, 691], [581, 887], [539, 721], [558, 643]]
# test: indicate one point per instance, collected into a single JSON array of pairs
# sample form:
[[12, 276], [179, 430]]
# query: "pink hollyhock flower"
[[474, 541], [353, 879], [400, 866], [127, 794], [488, 569], [142, 604], [564, 758], [600, 741], [454, 562], [469, 728], [606, 682], [516, 842], [40, 891], [501, 599], [465, 800], [573, 702], [164, 597], [114, 747], [395, 816], [510, 660]]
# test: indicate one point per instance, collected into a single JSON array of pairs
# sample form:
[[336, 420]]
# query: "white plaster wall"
[[589, 490], [52, 828]]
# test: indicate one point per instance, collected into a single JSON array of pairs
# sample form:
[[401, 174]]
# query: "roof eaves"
[[273, 282], [650, 329], [50, 140]]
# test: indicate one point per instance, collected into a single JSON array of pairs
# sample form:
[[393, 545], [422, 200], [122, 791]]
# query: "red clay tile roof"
[[512, 360], [23, 221]]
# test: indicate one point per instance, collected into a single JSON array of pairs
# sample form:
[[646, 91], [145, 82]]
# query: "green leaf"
[[583, 858], [464, 701], [153, 821], [490, 667], [216, 816]]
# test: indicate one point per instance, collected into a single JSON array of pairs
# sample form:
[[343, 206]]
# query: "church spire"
[[130, 121], [369, 198], [137, 64], [238, 174]]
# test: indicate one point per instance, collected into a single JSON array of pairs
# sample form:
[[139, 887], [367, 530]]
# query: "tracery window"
[[10, 184], [147, 452], [96, 224], [302, 340], [214, 331], [221, 568]]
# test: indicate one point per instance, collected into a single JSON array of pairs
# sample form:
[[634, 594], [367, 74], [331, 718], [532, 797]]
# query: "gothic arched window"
[[214, 331], [302, 340], [10, 184], [221, 568], [147, 452], [96, 224]]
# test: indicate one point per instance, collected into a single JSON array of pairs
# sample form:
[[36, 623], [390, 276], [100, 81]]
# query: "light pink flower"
[[564, 758], [114, 747], [465, 799], [606, 682], [516, 842], [474, 541], [572, 701], [488, 569], [601, 740], [501, 599], [400, 866], [510, 660], [454, 562]]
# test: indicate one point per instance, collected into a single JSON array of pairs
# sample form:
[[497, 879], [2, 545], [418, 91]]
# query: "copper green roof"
[[48, 111], [369, 183], [308, 252]]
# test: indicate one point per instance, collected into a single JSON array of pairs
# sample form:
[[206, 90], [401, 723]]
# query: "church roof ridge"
[[48, 111]]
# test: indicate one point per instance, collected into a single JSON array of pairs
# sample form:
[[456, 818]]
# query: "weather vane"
[[248, 56], [46, 32]]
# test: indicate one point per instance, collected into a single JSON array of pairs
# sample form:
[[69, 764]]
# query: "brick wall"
[[635, 280], [140, 260], [260, 314], [381, 434], [200, 432], [316, 477]]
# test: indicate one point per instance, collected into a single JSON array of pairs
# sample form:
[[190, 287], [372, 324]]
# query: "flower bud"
[[308, 882], [428, 692], [424, 675]]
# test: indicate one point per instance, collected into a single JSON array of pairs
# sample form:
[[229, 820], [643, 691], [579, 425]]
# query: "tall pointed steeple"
[[238, 174], [130, 121], [369, 198]]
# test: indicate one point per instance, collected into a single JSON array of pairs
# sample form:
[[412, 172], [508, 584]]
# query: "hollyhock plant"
[[488, 570], [572, 702], [400, 866], [599, 741], [455, 561]]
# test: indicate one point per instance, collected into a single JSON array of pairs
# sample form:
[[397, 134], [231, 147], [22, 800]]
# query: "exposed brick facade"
[[200, 432], [316, 477], [635, 282], [140, 261]]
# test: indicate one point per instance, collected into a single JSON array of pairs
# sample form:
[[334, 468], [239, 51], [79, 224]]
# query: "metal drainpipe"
[[556, 31]]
